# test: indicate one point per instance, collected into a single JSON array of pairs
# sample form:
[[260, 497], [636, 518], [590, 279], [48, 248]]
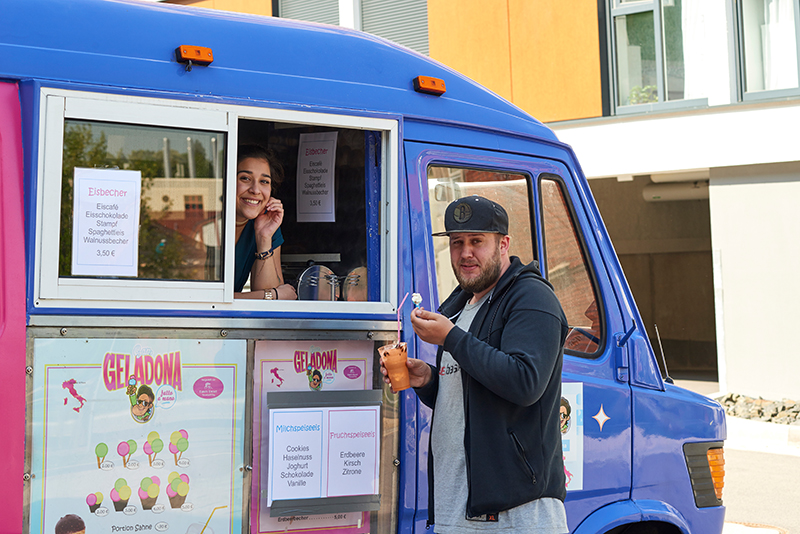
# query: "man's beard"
[[490, 273]]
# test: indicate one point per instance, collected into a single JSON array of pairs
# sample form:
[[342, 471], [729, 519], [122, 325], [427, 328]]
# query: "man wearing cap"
[[495, 461]]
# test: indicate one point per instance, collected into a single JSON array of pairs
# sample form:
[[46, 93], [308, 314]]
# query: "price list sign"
[[105, 232], [323, 452], [316, 176]]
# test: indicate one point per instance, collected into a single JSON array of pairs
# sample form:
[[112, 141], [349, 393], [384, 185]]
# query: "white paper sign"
[[571, 426], [297, 454], [323, 452], [316, 169], [105, 231], [352, 451]]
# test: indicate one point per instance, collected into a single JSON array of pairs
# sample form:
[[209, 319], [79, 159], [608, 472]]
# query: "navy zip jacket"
[[511, 371]]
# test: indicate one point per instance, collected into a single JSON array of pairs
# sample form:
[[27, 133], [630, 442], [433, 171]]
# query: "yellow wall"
[[256, 7], [543, 55], [472, 36]]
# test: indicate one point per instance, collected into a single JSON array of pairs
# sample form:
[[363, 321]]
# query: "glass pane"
[[180, 215], [695, 55], [568, 272], [673, 36], [510, 190], [770, 44], [636, 59]]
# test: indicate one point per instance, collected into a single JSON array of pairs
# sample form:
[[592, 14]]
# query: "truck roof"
[[130, 45]]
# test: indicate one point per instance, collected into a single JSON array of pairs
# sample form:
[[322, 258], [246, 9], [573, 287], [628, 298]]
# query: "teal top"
[[246, 253]]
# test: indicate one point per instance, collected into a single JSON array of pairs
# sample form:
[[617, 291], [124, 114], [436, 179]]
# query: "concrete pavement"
[[762, 466]]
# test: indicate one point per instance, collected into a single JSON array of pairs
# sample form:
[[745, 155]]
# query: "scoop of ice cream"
[[416, 298]]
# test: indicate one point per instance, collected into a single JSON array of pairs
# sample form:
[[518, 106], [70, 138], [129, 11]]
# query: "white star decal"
[[601, 418]]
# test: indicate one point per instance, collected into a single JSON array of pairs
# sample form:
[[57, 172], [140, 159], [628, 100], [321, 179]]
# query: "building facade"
[[682, 113]]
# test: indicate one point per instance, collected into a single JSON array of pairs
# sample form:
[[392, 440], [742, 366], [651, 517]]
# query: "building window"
[[769, 44], [669, 53], [402, 21], [193, 204]]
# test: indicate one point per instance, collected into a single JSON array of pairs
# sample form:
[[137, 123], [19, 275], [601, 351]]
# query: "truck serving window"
[[136, 204], [568, 271]]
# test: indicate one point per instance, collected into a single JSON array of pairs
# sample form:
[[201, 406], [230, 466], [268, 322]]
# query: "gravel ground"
[[784, 412]]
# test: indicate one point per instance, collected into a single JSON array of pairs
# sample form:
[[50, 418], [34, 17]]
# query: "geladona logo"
[[147, 370], [315, 359]]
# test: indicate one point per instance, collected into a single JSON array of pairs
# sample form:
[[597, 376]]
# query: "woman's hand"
[[268, 222], [286, 292]]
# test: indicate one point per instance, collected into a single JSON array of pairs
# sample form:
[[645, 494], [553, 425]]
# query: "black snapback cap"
[[475, 215]]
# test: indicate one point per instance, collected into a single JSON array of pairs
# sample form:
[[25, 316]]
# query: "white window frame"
[[51, 291]]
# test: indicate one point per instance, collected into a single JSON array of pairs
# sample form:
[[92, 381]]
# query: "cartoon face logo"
[[564, 413], [142, 401], [315, 380], [462, 213]]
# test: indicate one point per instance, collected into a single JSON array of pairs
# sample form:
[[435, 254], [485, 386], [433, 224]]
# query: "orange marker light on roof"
[[432, 86], [194, 55]]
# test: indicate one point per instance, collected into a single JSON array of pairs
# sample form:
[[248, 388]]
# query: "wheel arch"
[[620, 517]]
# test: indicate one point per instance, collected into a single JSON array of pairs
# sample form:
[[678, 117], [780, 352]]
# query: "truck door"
[[549, 225]]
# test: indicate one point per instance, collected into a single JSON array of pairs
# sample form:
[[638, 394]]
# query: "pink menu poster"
[[303, 366]]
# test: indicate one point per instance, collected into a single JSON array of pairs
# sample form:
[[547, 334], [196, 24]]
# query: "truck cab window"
[[568, 270], [508, 189]]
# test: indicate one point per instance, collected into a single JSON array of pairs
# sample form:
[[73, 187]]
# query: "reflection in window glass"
[[694, 35], [180, 218], [636, 59], [446, 184], [770, 44], [675, 36], [568, 272]]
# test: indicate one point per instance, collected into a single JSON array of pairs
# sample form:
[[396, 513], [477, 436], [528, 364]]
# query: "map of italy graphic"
[[69, 385], [274, 372]]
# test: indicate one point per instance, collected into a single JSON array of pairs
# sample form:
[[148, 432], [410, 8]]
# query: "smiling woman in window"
[[258, 219]]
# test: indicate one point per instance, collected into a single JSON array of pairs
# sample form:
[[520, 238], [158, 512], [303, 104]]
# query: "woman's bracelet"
[[265, 255], [277, 297]]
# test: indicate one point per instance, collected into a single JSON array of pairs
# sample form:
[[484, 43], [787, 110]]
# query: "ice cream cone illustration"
[[177, 489], [153, 446], [100, 451], [178, 443], [94, 500], [148, 492], [120, 494], [126, 449]]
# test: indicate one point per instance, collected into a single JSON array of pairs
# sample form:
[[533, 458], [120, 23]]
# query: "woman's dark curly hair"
[[259, 152]]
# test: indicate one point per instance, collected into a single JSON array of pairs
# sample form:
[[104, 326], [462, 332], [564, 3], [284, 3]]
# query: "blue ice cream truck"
[[149, 388]]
